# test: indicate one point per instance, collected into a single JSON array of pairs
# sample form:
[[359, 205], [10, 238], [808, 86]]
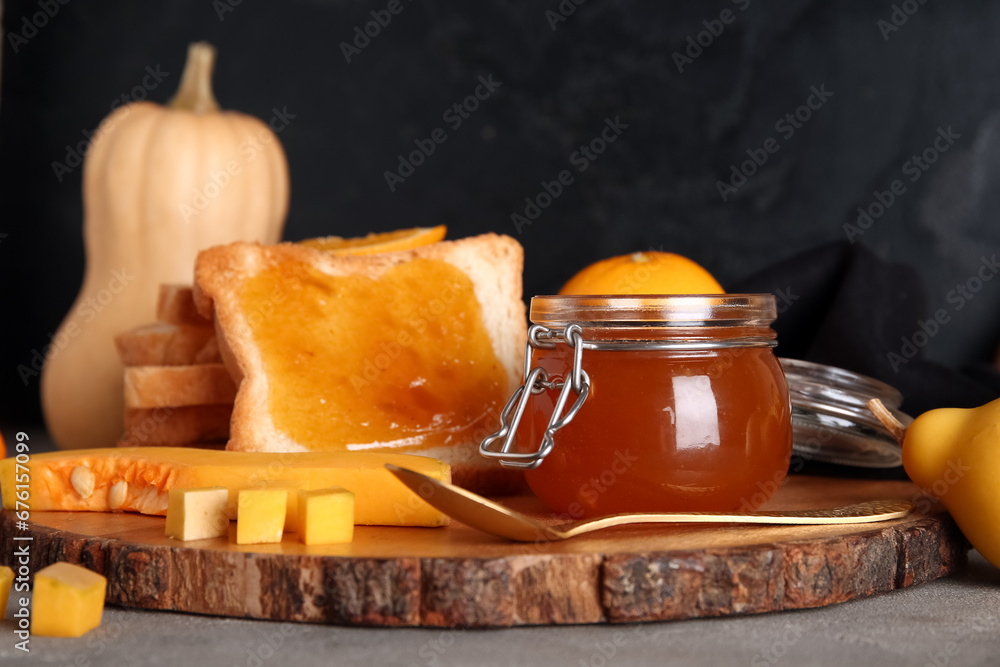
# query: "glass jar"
[[649, 403]]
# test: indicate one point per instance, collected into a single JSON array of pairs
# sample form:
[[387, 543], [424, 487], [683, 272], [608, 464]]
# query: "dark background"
[[654, 187]]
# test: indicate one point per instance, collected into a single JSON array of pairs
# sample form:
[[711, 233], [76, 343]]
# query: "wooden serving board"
[[458, 577]]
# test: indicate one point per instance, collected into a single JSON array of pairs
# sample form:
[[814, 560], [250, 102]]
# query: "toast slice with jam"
[[413, 351]]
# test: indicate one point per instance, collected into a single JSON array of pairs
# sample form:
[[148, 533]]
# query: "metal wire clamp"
[[535, 381]]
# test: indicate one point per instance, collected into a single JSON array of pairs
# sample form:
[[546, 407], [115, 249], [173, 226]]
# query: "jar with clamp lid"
[[649, 403]]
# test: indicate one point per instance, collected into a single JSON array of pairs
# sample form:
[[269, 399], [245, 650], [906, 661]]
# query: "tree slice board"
[[459, 577]]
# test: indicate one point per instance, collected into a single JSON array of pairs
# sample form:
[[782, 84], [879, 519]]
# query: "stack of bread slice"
[[177, 390], [413, 351], [292, 348]]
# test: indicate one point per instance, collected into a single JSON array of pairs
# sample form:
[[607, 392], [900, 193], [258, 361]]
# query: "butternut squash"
[[159, 184], [139, 479]]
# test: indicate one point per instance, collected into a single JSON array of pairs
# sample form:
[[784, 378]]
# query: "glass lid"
[[831, 422]]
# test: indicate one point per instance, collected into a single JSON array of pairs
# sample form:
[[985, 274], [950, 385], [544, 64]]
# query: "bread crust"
[[175, 304], [177, 386], [162, 344], [176, 426], [494, 264]]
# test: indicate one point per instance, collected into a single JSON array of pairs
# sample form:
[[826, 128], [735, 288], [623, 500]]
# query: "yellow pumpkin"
[[159, 184], [139, 479]]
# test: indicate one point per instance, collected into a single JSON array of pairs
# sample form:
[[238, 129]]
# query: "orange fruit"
[[3, 448], [652, 272], [401, 239]]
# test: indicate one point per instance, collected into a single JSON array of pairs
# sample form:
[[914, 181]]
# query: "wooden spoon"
[[490, 517]]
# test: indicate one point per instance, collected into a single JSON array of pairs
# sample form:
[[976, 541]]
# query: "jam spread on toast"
[[401, 361]]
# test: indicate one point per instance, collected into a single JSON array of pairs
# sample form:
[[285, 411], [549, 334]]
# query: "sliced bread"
[[176, 306], [178, 386], [191, 425], [413, 351], [162, 344]]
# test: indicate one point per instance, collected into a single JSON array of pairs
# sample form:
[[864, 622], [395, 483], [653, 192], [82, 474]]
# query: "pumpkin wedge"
[[139, 479]]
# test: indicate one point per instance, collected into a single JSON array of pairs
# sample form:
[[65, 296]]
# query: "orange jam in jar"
[[649, 403]]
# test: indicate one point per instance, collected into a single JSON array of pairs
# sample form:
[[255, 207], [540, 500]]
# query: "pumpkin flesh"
[[139, 479]]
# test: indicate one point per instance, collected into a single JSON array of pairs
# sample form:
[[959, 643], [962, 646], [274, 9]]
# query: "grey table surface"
[[952, 621]]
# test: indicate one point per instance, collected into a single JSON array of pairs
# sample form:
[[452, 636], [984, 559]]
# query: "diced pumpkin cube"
[[326, 516], [293, 487], [6, 579], [68, 601], [260, 515], [198, 514]]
